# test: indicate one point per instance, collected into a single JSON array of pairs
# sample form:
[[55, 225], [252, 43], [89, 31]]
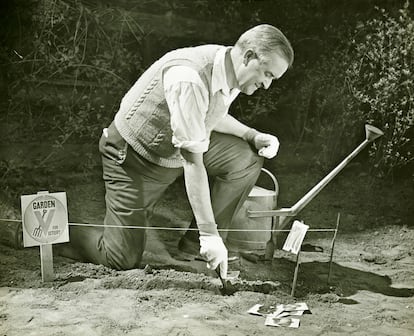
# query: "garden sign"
[[45, 222]]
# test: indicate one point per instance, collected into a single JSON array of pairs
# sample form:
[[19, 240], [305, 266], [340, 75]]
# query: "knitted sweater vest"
[[143, 119]]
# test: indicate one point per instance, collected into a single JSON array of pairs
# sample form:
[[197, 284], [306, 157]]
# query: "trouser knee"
[[126, 257], [247, 167], [231, 157], [131, 262]]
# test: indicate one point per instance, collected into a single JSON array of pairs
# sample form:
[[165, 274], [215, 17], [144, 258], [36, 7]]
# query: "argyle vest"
[[143, 118]]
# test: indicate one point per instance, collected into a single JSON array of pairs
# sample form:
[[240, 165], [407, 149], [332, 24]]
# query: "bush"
[[72, 68], [381, 81], [366, 79]]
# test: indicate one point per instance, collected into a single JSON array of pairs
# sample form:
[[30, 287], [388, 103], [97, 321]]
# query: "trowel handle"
[[275, 183]]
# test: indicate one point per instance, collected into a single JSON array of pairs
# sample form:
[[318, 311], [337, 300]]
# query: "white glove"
[[267, 144], [214, 251]]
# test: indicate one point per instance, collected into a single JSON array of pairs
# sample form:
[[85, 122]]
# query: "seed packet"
[[291, 313], [295, 238], [294, 307], [263, 310], [274, 321]]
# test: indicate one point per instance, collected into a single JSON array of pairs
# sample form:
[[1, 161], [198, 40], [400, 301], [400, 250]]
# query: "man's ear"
[[249, 55]]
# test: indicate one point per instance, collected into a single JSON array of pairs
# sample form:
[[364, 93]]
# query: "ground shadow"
[[313, 276], [351, 280]]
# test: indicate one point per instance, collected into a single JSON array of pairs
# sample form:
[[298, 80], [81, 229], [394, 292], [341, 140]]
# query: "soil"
[[370, 290]]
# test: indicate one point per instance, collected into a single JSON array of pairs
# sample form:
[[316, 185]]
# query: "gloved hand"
[[214, 251], [267, 144]]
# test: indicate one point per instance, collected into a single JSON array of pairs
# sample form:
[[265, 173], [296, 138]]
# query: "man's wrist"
[[208, 229], [250, 135]]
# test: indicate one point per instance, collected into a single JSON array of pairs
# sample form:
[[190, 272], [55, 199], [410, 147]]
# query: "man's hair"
[[264, 40]]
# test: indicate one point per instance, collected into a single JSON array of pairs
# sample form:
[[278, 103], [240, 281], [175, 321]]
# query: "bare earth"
[[370, 292]]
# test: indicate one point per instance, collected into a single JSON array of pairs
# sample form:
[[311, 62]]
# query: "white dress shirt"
[[188, 100]]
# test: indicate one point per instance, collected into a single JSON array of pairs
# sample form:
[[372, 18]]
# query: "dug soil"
[[371, 278]]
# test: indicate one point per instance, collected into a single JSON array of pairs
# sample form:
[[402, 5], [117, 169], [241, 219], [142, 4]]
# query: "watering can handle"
[[275, 183]]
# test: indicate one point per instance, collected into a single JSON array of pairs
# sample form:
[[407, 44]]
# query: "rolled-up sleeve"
[[187, 99]]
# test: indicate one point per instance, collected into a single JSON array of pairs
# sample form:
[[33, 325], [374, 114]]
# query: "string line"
[[172, 228]]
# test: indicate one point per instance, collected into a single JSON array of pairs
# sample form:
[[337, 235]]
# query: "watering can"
[[248, 233]]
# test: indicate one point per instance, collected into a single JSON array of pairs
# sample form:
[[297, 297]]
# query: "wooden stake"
[[46, 262], [295, 276], [332, 247]]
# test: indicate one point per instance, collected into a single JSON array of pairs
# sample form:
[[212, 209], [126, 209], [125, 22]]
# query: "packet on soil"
[[289, 322], [279, 310], [294, 307], [263, 310], [292, 313]]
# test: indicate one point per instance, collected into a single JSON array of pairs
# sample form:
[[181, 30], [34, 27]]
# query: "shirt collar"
[[219, 77]]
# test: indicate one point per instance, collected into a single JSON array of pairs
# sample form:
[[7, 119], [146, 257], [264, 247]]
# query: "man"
[[174, 120]]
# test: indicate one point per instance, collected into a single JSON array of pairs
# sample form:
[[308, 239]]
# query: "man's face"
[[256, 73]]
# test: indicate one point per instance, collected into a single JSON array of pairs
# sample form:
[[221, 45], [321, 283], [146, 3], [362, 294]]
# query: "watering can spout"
[[372, 133]]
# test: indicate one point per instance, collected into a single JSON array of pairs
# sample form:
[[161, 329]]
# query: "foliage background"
[[65, 65]]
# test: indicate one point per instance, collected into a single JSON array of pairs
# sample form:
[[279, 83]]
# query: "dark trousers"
[[133, 186]]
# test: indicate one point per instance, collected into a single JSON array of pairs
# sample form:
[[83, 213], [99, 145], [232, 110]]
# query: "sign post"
[[45, 222], [46, 262]]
